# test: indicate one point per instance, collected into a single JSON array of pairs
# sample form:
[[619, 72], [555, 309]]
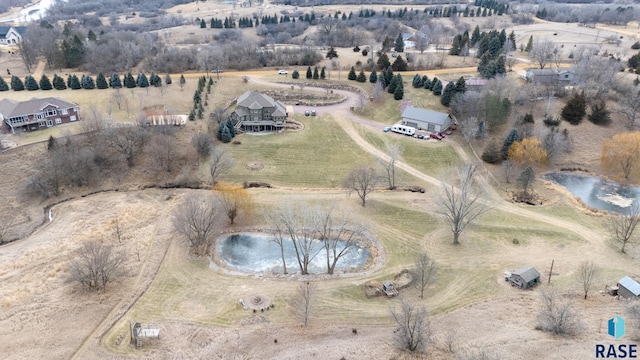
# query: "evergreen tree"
[[232, 130], [203, 24], [30, 83], [87, 82], [182, 81], [475, 36], [388, 75], [224, 134], [373, 78], [114, 81], [74, 83], [196, 98], [167, 79], [525, 180], [528, 119], [426, 82], [512, 137], [332, 53], [437, 88], [399, 44], [512, 38], [316, 76], [45, 84], [58, 82], [461, 85], [352, 74], [599, 113], [101, 81], [200, 111], [52, 143], [391, 89], [129, 81], [529, 44], [383, 62], [448, 93], [16, 83], [74, 53], [142, 80], [192, 115], [398, 93], [295, 74], [399, 64], [417, 81], [491, 152], [3, 84], [500, 65], [361, 77], [309, 73], [323, 74], [575, 110]]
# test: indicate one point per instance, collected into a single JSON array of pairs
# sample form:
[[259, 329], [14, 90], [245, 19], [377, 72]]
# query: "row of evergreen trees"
[[315, 75], [392, 83], [86, 82], [198, 101], [435, 85]]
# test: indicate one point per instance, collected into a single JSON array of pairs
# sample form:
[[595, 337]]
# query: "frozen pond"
[[256, 252], [597, 192]]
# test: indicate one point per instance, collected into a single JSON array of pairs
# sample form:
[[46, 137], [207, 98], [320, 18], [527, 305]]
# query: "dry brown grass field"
[[195, 302]]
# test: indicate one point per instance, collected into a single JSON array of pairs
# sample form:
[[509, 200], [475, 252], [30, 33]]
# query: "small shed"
[[628, 288], [525, 277]]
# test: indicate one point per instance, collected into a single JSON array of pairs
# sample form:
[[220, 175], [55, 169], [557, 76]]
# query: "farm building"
[[525, 277], [628, 288], [428, 120]]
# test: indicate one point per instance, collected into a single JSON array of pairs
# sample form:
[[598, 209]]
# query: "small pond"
[[256, 253], [596, 192]]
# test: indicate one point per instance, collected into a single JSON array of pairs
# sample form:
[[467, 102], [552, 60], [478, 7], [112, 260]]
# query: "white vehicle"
[[283, 72], [403, 129]]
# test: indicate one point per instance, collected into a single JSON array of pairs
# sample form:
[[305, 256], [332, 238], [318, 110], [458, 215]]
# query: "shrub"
[[636, 45]]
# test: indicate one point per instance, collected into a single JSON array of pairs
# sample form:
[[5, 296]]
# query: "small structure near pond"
[[138, 333], [628, 288], [524, 278]]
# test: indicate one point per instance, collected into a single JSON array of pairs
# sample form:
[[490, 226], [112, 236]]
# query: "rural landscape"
[[320, 179]]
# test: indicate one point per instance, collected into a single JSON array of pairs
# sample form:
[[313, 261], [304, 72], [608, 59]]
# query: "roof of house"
[[10, 108], [527, 273], [539, 72], [476, 82], [255, 100], [630, 284], [433, 117], [4, 30]]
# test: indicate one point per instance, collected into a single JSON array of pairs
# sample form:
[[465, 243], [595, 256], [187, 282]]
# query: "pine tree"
[[295, 74], [399, 44], [491, 152], [203, 24], [114, 81], [58, 83], [323, 74], [352, 74], [398, 93], [383, 61], [129, 81], [391, 89], [316, 76], [461, 85], [30, 83], [399, 64], [52, 143], [101, 82], [437, 88], [332, 53], [448, 93], [361, 77], [192, 115], [475, 36], [182, 81], [44, 83], [426, 83], [3, 84], [373, 78], [167, 79], [16, 83], [529, 44], [388, 75], [87, 82], [599, 113], [142, 80], [232, 130], [417, 81], [224, 134], [512, 137], [196, 98], [74, 83], [92, 36], [575, 110], [309, 73], [200, 111]]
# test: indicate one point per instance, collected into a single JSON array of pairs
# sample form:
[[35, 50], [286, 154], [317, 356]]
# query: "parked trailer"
[[403, 129]]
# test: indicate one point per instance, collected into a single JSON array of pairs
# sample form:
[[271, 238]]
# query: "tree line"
[[86, 82]]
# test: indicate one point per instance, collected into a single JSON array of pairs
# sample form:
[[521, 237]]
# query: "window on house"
[[73, 118], [64, 112], [41, 123], [58, 121], [40, 116], [49, 123], [51, 112]]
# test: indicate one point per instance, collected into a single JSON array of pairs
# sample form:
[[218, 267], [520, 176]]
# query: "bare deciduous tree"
[[95, 264], [557, 315], [363, 181], [202, 143], [163, 153], [412, 333], [127, 140], [587, 273], [196, 219], [460, 201], [425, 271], [622, 226], [394, 150], [28, 53], [118, 97], [629, 103], [118, 229], [220, 163], [304, 301], [339, 234], [542, 52]]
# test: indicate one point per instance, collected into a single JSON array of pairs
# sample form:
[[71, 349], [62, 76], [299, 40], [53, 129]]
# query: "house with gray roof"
[[258, 112], [428, 120], [11, 34], [525, 277], [36, 114], [628, 288], [550, 76]]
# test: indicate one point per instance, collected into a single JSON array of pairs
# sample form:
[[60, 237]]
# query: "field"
[[195, 302]]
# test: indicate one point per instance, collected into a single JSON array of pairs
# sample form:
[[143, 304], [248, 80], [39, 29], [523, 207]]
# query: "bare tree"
[[95, 264], [220, 163], [118, 97], [508, 168], [163, 153], [425, 271], [542, 52], [463, 203], [557, 315], [622, 226], [339, 235], [629, 105], [394, 150], [587, 273], [118, 229], [196, 219], [363, 181], [128, 141], [304, 301], [421, 40], [412, 333], [202, 143], [28, 53]]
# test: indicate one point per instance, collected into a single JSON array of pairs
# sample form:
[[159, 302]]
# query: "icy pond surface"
[[256, 252], [597, 192]]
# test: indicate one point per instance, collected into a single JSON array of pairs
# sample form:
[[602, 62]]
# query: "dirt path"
[[39, 70]]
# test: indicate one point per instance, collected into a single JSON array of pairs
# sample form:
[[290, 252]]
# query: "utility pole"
[[551, 271]]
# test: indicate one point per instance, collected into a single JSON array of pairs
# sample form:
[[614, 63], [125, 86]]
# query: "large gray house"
[[428, 120], [36, 114], [259, 112]]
